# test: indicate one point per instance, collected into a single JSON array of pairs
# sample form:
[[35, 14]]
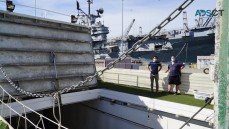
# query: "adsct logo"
[[209, 13]]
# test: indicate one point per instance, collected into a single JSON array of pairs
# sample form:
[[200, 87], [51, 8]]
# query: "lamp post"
[[35, 8], [122, 30]]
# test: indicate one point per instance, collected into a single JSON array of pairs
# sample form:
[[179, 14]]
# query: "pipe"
[[222, 68]]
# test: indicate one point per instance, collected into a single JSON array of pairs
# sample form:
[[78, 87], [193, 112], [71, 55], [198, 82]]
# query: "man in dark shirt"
[[175, 68], [154, 67]]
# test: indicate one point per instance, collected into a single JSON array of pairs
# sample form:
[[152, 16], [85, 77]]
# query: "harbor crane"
[[128, 30]]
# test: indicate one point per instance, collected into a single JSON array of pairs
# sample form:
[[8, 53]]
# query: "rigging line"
[[53, 108], [186, 56], [8, 101], [164, 56], [209, 19], [19, 114], [56, 86], [45, 10], [18, 122], [40, 9], [25, 117], [56, 98], [181, 50], [3, 96], [27, 108], [41, 122], [10, 112]]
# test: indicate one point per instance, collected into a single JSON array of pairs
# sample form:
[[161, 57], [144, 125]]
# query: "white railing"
[[141, 78], [119, 80]]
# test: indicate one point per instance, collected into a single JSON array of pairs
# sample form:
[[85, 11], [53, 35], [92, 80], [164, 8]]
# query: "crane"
[[128, 30]]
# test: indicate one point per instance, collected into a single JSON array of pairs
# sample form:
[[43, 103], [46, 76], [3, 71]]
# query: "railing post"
[[118, 78], [137, 80]]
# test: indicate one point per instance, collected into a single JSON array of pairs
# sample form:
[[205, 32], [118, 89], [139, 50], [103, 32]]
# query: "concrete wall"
[[26, 46], [100, 114], [140, 78]]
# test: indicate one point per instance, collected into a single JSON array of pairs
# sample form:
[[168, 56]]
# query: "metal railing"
[[136, 78], [207, 102], [134, 82], [53, 14]]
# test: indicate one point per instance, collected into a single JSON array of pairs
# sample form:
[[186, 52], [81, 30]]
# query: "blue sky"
[[148, 13]]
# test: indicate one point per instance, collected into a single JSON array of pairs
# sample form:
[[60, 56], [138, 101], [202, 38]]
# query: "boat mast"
[[89, 7]]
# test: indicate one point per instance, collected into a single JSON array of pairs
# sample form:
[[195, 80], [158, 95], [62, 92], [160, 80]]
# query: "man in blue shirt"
[[154, 67], [174, 69]]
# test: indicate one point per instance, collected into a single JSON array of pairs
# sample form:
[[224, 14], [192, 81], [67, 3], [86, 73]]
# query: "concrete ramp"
[[29, 46]]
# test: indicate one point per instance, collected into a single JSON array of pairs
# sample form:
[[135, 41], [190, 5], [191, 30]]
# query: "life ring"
[[206, 70]]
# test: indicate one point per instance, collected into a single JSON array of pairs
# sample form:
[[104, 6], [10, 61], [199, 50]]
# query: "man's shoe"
[[170, 92], [176, 93]]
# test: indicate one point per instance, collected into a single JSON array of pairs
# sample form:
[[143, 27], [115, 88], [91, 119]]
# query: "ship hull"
[[187, 49]]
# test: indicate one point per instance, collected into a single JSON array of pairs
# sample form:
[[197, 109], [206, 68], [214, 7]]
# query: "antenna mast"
[[89, 6]]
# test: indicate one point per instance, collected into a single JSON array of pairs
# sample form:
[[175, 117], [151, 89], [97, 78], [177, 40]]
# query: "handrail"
[[36, 8], [142, 80], [207, 101]]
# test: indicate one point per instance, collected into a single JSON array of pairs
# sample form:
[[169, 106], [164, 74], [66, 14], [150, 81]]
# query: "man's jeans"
[[152, 78]]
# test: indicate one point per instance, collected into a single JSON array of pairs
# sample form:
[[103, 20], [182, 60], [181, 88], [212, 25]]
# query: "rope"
[[10, 110], [24, 110], [41, 121], [186, 56], [18, 122], [181, 50], [25, 117], [56, 98], [19, 114], [3, 95]]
